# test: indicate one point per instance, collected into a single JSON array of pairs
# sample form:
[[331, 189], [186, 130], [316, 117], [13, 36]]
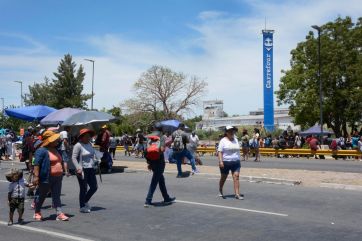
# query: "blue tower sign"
[[268, 79]]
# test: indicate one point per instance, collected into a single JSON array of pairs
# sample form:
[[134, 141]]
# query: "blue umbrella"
[[30, 113], [315, 130], [170, 125], [58, 117]]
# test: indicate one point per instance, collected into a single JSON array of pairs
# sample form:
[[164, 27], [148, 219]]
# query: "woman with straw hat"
[[84, 160], [48, 174]]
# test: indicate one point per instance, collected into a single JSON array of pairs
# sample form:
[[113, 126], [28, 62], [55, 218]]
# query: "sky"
[[219, 41]]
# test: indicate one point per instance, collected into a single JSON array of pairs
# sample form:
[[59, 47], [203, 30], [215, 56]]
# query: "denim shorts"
[[233, 166]]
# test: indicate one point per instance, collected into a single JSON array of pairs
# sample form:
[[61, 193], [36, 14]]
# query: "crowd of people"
[[51, 155], [250, 144]]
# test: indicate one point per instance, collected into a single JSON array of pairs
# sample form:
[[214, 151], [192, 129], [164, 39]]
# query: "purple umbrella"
[[59, 116]]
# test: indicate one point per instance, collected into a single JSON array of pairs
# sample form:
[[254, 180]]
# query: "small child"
[[16, 194]]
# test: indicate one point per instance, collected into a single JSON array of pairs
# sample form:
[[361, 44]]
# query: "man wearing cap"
[[48, 174], [180, 151]]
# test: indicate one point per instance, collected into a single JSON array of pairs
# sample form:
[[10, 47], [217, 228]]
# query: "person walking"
[[179, 142], [245, 145], [84, 160], [192, 147], [103, 141], [229, 160], [156, 163], [112, 146], [48, 174]]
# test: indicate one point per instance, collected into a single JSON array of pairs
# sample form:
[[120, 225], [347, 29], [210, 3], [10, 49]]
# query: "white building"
[[213, 118]]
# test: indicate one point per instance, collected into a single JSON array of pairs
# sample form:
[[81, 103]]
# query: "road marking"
[[50, 233], [3, 181], [233, 208]]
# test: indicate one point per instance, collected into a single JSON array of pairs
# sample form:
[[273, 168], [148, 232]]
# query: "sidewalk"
[[340, 180]]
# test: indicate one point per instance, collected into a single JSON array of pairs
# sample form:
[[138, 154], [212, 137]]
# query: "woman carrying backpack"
[[156, 163]]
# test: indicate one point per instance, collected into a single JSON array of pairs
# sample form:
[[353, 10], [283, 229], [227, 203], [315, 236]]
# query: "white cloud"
[[227, 51]]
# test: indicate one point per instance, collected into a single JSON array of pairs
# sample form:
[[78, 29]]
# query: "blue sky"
[[218, 40]]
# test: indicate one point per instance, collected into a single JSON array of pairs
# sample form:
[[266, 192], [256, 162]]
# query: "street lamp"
[[21, 90], [320, 80], [91, 60], [3, 105]]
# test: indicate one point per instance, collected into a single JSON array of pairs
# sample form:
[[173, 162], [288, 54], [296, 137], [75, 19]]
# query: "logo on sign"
[[268, 43]]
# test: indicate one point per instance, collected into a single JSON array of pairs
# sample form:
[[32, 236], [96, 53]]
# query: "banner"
[[268, 80]]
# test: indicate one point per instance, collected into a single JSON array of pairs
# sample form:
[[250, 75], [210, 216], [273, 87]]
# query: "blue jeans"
[[158, 167], [179, 156], [88, 180], [107, 158], [55, 187]]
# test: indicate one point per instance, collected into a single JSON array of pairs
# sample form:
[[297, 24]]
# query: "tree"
[[341, 73], [65, 90], [165, 93], [67, 87], [40, 94]]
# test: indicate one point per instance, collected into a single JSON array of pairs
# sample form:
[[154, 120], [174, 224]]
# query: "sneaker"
[[179, 176], [10, 223], [20, 221], [221, 195], [62, 217], [88, 206], [240, 197], [37, 217], [147, 204], [195, 171], [170, 200], [84, 210]]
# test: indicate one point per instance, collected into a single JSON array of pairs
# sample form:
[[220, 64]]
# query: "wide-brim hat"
[[86, 131], [228, 128], [49, 137]]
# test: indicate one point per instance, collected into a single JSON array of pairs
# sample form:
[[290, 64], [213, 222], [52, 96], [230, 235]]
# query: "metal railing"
[[272, 151]]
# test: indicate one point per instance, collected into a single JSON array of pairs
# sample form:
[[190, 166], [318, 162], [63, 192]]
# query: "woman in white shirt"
[[84, 160], [229, 160]]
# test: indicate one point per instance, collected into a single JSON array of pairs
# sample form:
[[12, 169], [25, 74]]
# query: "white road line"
[[50, 233], [3, 181], [233, 208]]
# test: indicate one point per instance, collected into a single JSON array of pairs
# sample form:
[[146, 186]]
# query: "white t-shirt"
[[63, 135], [17, 189], [230, 149]]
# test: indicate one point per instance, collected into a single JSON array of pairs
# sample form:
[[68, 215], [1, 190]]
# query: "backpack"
[[153, 150], [178, 144]]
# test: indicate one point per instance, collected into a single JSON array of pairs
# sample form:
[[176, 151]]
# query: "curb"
[[253, 179], [342, 186]]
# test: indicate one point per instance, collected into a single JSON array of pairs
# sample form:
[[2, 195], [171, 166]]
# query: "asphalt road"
[[348, 165], [268, 213]]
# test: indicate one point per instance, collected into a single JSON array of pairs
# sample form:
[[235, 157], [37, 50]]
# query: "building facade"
[[213, 119]]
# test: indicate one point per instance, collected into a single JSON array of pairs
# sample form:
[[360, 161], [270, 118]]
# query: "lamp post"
[[320, 80], [21, 91], [91, 60]]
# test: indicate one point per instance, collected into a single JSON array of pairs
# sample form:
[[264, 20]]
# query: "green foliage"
[[341, 73], [65, 90], [191, 123]]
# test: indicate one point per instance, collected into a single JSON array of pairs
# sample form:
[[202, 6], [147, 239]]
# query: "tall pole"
[[2, 111], [91, 60], [320, 81], [21, 91]]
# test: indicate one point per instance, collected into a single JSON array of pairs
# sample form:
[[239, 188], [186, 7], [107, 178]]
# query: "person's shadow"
[[96, 209], [161, 204]]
